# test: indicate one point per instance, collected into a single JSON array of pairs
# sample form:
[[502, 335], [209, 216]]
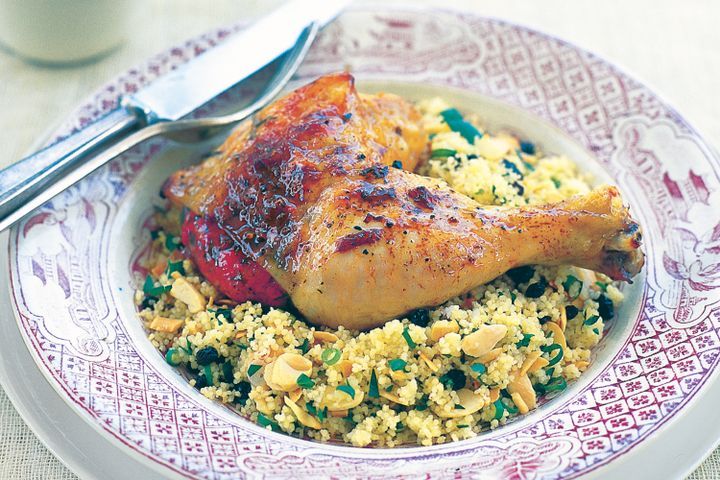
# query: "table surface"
[[670, 45]]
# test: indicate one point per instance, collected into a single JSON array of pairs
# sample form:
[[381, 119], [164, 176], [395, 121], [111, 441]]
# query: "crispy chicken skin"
[[307, 192]]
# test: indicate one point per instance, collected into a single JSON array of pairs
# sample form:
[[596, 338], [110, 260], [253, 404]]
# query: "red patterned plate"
[[71, 283]]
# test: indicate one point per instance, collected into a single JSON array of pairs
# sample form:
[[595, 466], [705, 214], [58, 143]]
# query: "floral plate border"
[[673, 349]]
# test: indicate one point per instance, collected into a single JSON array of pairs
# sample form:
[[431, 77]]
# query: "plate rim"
[[710, 381]]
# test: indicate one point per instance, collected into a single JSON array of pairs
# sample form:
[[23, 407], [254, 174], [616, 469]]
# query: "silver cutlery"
[[157, 108]]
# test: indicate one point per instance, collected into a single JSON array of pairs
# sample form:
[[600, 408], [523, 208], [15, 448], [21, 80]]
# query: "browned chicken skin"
[[306, 190]]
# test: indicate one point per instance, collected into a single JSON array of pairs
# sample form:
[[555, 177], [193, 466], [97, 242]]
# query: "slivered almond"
[[538, 364], [295, 394], [346, 367], [441, 328], [483, 340], [187, 293], [166, 325], [582, 365], [339, 413], [494, 394], [562, 321], [491, 356], [303, 417], [324, 337], [393, 398], [529, 361], [519, 403], [428, 361], [558, 335], [240, 334]]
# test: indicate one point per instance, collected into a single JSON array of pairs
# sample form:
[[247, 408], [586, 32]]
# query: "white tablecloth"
[[671, 45]]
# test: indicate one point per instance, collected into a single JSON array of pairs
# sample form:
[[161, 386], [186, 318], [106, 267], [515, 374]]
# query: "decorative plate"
[[71, 282]]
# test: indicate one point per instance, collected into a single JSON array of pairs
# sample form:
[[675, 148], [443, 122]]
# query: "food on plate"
[[357, 268]]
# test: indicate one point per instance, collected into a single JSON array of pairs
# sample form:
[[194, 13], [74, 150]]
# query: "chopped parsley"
[[525, 340], [347, 389], [397, 364], [252, 369], [374, 391], [303, 381], [408, 338]]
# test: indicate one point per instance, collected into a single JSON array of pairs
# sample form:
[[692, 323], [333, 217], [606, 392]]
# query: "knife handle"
[[26, 178]]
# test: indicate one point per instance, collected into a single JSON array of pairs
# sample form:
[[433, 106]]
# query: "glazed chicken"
[[315, 199]]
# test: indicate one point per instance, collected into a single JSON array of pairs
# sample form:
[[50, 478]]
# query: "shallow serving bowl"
[[71, 274]]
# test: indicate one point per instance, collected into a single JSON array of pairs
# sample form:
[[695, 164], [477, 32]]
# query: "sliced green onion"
[[225, 312], [304, 381], [478, 368], [175, 267], [591, 320], [408, 338], [525, 340], [569, 282], [310, 407], [264, 421], [347, 389], [188, 346], [603, 286], [455, 121], [171, 242], [463, 426], [422, 403], [596, 331], [170, 357], [556, 182], [228, 373], [397, 364], [374, 391], [553, 348], [207, 370], [556, 384], [305, 346], [511, 410], [499, 409], [443, 153], [149, 287], [389, 388], [331, 356], [252, 369]]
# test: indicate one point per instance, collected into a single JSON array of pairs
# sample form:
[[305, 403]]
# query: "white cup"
[[63, 31]]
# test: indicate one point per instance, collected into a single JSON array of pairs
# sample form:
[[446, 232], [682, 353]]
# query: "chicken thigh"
[[312, 191]]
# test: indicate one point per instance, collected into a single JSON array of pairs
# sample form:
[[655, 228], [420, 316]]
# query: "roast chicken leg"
[[310, 192]]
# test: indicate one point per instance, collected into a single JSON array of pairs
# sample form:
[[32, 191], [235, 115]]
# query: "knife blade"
[[168, 98], [195, 83]]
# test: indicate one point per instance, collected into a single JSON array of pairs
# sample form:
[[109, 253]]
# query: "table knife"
[[170, 97]]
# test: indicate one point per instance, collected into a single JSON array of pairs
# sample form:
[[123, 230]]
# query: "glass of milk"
[[63, 32]]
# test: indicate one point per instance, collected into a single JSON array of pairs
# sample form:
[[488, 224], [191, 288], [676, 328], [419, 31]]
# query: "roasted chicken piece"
[[310, 190]]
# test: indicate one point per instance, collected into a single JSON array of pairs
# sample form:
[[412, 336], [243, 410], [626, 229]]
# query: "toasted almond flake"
[[469, 400], [582, 365], [295, 394], [558, 335], [529, 361], [226, 302], [494, 394], [159, 268], [519, 403], [441, 328], [240, 334], [336, 400], [339, 413], [166, 325], [492, 148], [523, 387], [538, 364], [282, 373], [346, 367], [483, 339], [562, 321], [491, 356], [324, 337], [428, 361], [303, 417], [187, 293], [393, 397]]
